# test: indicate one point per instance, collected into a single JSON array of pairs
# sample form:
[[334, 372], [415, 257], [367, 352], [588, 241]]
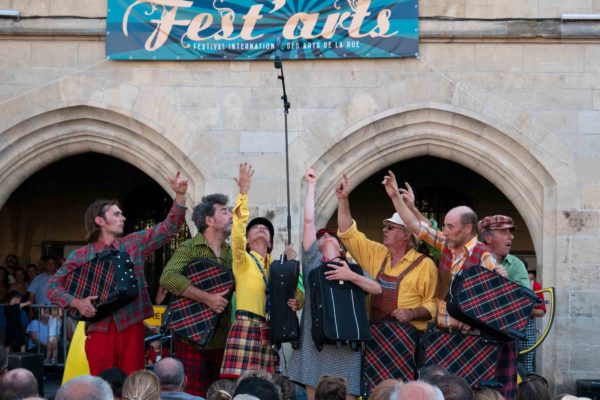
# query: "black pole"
[[286, 109]]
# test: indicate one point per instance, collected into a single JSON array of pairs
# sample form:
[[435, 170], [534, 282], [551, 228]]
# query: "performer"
[[249, 344], [307, 364], [459, 249], [118, 339], [213, 219], [413, 299]]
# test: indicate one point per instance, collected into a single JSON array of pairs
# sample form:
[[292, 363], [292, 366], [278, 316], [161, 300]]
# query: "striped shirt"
[[174, 280]]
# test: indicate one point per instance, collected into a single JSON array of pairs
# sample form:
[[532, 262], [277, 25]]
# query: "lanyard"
[[267, 289]]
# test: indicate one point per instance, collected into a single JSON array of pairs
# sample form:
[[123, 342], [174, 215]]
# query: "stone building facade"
[[507, 89]]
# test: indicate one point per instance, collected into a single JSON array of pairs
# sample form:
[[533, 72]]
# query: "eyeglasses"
[[390, 227]]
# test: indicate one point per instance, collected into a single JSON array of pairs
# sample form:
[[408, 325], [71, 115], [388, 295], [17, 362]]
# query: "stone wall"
[[521, 109]]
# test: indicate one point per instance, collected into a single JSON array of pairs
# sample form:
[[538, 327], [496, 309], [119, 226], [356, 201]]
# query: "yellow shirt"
[[417, 289], [250, 287]]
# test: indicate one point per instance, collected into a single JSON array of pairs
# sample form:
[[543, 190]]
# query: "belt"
[[250, 314]]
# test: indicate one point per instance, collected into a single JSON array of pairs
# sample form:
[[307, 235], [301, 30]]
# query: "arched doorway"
[[439, 185], [44, 215]]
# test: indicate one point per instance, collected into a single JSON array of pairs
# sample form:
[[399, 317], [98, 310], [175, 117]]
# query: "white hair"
[[85, 388], [417, 390]]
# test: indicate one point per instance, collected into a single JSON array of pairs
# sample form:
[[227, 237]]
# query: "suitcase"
[[475, 358], [491, 303], [390, 354], [193, 320], [338, 310], [283, 280]]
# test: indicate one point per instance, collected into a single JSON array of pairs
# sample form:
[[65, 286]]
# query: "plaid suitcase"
[[193, 320], [491, 303], [283, 280], [390, 354], [338, 309], [475, 358]]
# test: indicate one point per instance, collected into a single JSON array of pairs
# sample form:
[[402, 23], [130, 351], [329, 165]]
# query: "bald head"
[[417, 390], [84, 388], [460, 226], [18, 384], [170, 374]]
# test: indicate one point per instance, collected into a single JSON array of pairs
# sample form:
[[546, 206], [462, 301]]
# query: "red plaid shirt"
[[137, 245]]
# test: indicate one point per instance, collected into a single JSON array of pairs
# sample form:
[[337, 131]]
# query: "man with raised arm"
[[213, 218], [117, 340], [413, 300]]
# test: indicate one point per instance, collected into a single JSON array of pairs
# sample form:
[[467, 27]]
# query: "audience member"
[[331, 388], [427, 373], [285, 386], [38, 334], [31, 271], [453, 387], [221, 389], [534, 387], [14, 334], [18, 384], [171, 376], [38, 288], [11, 261], [141, 385], [417, 390], [486, 394], [84, 388], [115, 377], [20, 283], [384, 390], [261, 388]]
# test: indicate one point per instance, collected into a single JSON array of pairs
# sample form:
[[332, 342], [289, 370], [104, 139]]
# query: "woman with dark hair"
[[20, 283], [331, 388], [534, 387], [307, 363]]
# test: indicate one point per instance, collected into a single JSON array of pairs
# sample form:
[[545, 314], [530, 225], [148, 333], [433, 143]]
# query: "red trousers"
[[123, 349], [202, 367]]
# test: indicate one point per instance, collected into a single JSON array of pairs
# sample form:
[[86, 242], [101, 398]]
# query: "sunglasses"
[[391, 227]]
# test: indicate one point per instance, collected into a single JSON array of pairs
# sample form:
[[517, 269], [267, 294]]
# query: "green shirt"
[[174, 280], [516, 270]]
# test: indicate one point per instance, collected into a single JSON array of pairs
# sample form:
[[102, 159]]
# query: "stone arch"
[[56, 134]]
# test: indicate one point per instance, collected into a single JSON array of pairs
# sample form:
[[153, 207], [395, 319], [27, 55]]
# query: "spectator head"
[[96, 210], [533, 387], [3, 361], [384, 390], [141, 385], [84, 388], [171, 375], [51, 265], [31, 271], [427, 373], [487, 394], [13, 297], [285, 386], [18, 384], [460, 226], [213, 211], [11, 261], [115, 377], [261, 388], [221, 389], [19, 275], [331, 388], [453, 387], [417, 390]]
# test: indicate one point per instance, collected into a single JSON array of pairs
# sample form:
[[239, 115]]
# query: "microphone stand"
[[286, 109]]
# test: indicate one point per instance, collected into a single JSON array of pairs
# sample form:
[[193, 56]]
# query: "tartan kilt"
[[248, 346]]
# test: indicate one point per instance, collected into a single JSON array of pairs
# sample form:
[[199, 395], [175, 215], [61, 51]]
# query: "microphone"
[[278, 52]]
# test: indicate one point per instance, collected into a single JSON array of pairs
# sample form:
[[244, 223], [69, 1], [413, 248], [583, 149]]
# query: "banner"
[[261, 29]]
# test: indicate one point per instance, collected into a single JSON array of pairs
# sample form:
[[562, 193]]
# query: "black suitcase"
[[283, 280], [390, 354], [473, 357], [338, 310], [491, 303]]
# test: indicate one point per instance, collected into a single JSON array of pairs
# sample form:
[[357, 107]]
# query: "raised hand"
[[290, 252], [245, 178], [408, 195], [342, 191], [178, 183], [390, 184], [309, 174]]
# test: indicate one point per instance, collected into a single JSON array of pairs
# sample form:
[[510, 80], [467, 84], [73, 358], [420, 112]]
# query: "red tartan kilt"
[[248, 346]]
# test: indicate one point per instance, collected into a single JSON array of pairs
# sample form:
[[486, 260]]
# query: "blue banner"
[[261, 29]]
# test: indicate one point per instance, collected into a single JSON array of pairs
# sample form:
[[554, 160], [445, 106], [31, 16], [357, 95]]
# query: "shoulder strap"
[[410, 268]]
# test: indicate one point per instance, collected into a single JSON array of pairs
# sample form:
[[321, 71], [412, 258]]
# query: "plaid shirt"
[[137, 245], [174, 280], [437, 239]]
